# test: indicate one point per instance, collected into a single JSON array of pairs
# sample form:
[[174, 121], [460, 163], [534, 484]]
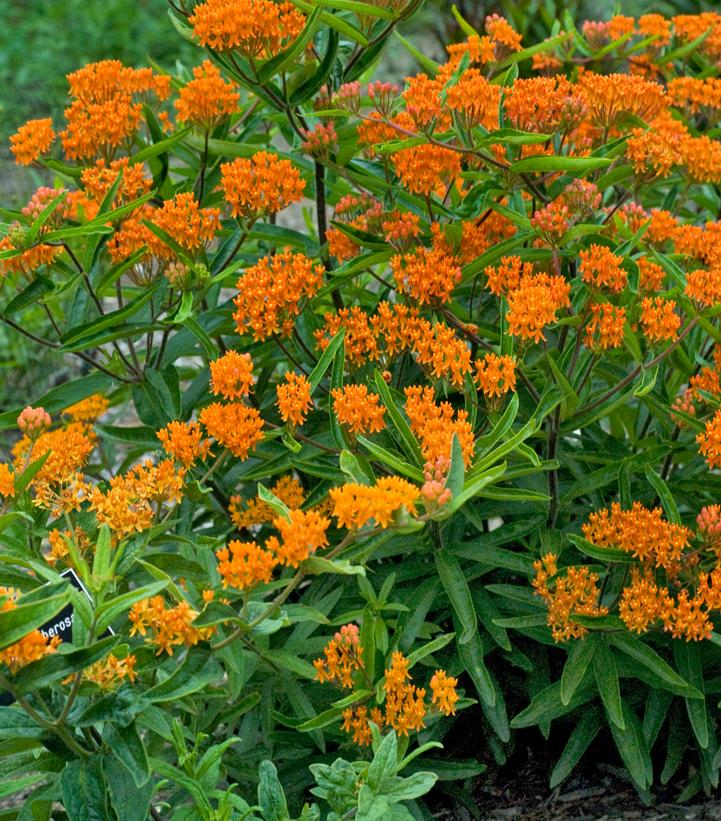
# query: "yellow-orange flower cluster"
[[355, 505], [184, 442], [32, 140], [32, 646], [435, 425], [294, 398], [231, 376], [357, 409], [261, 185], [166, 627], [495, 375], [245, 564], [207, 98]]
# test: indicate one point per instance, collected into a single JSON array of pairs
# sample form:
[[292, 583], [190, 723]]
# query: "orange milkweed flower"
[[354, 506], [651, 275], [704, 286], [301, 534], [405, 708], [427, 169], [31, 647], [602, 268], [361, 342], [342, 657], [658, 318], [655, 25], [7, 480], [89, 409], [605, 329], [110, 672], [435, 424], [257, 28], [443, 689], [288, 489], [168, 627], [533, 306], [357, 409], [28, 260], [427, 274], [184, 442], [207, 99], [98, 179], [33, 421], [261, 185], [543, 104], [611, 98], [440, 349], [710, 441], [508, 275], [642, 601], [294, 399], [474, 99], [423, 101], [231, 375], [270, 293], [68, 449], [244, 564], [234, 426], [32, 140], [495, 375]]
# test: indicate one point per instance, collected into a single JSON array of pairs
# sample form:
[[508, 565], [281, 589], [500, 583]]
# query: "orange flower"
[[110, 672], [342, 656], [543, 104], [32, 140], [270, 293], [245, 564], [642, 602], [232, 375], [534, 304], [207, 99], [443, 688], [257, 28], [658, 318], [611, 98], [89, 409], [358, 409], [434, 425], [288, 489], [704, 286], [100, 178], [440, 349], [426, 169], [710, 441], [301, 534], [68, 449], [170, 626], [355, 505], [602, 268], [474, 99], [7, 480], [427, 274], [184, 442], [261, 185], [495, 375], [606, 326], [405, 708], [28, 260], [508, 275], [235, 426], [651, 275], [360, 339], [32, 646], [294, 399]]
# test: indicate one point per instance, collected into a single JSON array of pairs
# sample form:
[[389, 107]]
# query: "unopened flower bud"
[[33, 421]]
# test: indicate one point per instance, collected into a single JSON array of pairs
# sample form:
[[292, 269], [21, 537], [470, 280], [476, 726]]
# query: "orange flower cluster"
[[658, 318], [602, 268], [98, 179], [427, 274], [255, 512], [256, 28], [651, 275], [88, 409], [234, 426], [7, 480], [261, 185], [167, 627], [111, 672], [606, 326], [27, 260], [474, 100], [127, 505], [184, 442], [435, 424], [103, 113], [495, 375], [704, 286], [245, 564], [207, 99], [32, 140], [294, 398], [507, 277], [301, 533], [611, 98], [642, 532], [357, 409], [533, 305], [270, 293], [543, 104], [31, 647], [426, 169], [710, 441], [342, 657], [576, 593], [59, 547], [443, 690], [354, 506], [231, 376]]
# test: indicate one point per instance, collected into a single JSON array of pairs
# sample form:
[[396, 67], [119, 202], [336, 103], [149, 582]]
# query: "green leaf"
[[270, 793], [198, 670], [402, 428], [325, 360], [606, 672], [471, 654], [604, 554], [24, 618], [648, 657], [111, 609], [83, 790], [664, 494], [317, 566], [688, 659], [429, 66], [575, 668], [459, 596], [392, 461], [571, 165], [579, 741], [384, 763], [127, 746], [632, 747]]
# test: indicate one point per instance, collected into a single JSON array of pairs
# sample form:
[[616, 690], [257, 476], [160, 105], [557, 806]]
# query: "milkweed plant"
[[397, 424]]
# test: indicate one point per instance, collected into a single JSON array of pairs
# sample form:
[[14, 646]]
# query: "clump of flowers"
[[166, 627]]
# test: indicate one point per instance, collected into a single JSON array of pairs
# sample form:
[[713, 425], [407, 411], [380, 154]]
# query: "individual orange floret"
[[475, 100], [427, 274], [184, 442], [342, 657], [261, 185], [357, 409], [234, 426], [88, 409], [704, 286], [495, 375], [639, 531], [575, 593], [271, 292], [169, 627], [207, 99], [32, 646], [507, 276], [606, 326], [302, 532], [244, 564], [32, 140], [651, 275], [405, 708], [710, 441], [354, 506], [231, 376], [602, 268], [294, 398], [111, 672], [659, 320], [257, 28], [435, 424], [7, 480], [427, 169], [443, 690]]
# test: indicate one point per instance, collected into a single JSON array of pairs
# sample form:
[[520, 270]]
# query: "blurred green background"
[[43, 40]]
